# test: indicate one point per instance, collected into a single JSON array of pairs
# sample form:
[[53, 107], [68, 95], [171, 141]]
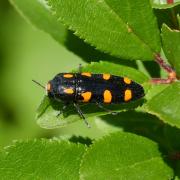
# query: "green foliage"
[[41, 159], [112, 28], [166, 105], [124, 156], [125, 29], [171, 50]]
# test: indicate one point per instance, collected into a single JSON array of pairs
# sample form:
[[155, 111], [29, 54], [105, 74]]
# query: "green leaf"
[[48, 109], [116, 69], [171, 46], [166, 105], [89, 53], [154, 90], [162, 4], [38, 13], [112, 26], [41, 159], [140, 123], [124, 156]]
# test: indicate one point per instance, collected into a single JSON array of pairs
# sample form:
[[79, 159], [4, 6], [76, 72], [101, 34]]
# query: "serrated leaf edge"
[[160, 117], [59, 141], [75, 32], [167, 27]]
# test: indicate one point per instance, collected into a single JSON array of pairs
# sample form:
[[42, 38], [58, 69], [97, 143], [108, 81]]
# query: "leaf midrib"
[[139, 162]]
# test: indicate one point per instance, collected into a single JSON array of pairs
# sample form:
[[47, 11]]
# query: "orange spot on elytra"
[[127, 95], [86, 96], [69, 91], [86, 74], [106, 76], [107, 96], [68, 75], [127, 80]]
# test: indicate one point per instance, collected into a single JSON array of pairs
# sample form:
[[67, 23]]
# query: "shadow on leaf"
[[78, 139], [153, 68], [88, 53], [92, 108]]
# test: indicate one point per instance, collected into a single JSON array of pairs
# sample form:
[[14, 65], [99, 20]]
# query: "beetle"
[[85, 87]]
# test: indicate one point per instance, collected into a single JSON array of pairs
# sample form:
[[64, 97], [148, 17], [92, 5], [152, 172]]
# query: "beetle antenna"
[[39, 84]]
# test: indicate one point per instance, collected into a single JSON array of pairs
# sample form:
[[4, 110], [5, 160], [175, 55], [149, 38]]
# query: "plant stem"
[[163, 64], [170, 1], [171, 72], [174, 19]]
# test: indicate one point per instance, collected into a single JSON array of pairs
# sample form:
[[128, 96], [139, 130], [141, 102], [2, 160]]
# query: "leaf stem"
[[170, 1], [174, 19], [174, 155], [171, 72]]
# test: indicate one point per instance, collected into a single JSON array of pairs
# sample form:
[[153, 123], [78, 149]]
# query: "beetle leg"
[[105, 109], [61, 111], [81, 114]]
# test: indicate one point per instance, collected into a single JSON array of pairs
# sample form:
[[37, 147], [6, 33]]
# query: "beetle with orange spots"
[[85, 87]]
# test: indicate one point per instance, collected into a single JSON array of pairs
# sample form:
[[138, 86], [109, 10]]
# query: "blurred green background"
[[25, 54]]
